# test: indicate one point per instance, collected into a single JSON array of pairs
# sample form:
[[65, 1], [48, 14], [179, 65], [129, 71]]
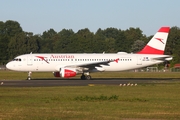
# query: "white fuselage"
[[53, 62]]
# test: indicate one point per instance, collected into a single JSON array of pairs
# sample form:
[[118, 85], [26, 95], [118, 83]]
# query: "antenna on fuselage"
[[30, 52]]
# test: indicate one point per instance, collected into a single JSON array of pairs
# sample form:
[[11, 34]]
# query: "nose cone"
[[9, 66]]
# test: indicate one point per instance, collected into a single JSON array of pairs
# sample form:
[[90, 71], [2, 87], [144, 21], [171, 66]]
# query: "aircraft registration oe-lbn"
[[69, 65]]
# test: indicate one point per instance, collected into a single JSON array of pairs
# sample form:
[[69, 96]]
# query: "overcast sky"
[[38, 16]]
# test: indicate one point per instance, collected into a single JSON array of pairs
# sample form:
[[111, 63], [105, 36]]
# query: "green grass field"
[[156, 100], [145, 101]]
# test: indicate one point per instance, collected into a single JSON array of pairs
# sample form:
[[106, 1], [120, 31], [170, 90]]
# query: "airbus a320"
[[69, 65]]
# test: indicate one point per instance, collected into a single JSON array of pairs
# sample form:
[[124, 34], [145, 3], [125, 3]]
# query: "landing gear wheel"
[[83, 77], [88, 77], [28, 78]]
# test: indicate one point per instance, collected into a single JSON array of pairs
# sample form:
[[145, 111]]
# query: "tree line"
[[14, 41]]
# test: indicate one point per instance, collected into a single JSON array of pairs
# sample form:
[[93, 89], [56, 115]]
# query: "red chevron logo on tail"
[[161, 40]]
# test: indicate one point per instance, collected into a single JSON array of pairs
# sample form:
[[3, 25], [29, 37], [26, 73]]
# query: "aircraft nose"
[[9, 65]]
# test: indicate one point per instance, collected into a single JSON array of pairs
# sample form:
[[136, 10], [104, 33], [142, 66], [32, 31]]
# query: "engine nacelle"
[[66, 73]]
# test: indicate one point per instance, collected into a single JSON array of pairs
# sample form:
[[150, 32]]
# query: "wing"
[[93, 65]]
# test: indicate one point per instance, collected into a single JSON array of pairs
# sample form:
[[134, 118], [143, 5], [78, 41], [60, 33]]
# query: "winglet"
[[157, 44]]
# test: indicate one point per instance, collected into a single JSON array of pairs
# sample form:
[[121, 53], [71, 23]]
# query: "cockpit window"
[[17, 59]]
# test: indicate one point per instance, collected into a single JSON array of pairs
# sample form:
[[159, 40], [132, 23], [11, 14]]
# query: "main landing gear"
[[29, 75], [85, 77]]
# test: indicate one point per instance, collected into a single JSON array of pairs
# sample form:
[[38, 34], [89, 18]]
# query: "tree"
[[12, 28], [7, 30], [32, 44], [83, 41], [22, 43], [137, 46], [46, 41], [63, 41], [131, 35], [173, 44], [110, 45], [111, 33], [113, 40], [3, 44], [121, 42]]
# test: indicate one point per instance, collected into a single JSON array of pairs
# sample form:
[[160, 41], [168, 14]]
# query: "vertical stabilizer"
[[157, 44]]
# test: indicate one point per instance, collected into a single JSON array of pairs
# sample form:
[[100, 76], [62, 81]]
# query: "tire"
[[88, 77], [83, 77]]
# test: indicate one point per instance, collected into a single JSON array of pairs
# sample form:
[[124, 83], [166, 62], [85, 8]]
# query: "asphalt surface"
[[77, 82]]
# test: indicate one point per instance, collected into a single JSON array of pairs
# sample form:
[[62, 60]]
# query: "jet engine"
[[65, 72]]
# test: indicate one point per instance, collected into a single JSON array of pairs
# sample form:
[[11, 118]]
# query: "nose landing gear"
[[29, 75]]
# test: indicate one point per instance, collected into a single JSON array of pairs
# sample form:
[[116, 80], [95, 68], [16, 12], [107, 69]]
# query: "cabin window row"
[[81, 59]]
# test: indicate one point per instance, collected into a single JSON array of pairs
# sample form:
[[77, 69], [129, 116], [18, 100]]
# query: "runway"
[[77, 82]]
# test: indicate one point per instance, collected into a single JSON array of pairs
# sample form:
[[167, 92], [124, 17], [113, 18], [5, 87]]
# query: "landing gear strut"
[[29, 75], [85, 77]]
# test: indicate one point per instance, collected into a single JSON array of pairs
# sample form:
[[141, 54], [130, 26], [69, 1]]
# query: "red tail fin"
[[157, 44]]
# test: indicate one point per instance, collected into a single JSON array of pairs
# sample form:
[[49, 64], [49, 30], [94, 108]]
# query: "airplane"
[[67, 65]]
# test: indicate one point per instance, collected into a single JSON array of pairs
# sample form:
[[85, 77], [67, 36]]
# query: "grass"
[[156, 100], [145, 101]]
